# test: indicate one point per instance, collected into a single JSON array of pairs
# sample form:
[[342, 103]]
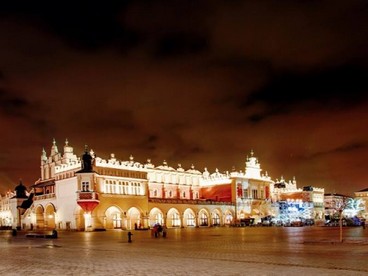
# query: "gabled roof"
[[364, 190]]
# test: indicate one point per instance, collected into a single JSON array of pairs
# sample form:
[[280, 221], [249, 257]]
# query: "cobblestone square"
[[192, 251]]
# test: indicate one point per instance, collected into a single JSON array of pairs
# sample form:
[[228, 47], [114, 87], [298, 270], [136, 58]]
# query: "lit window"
[[203, 219], [190, 220], [215, 219]]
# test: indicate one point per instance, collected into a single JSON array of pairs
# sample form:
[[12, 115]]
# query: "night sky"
[[190, 82]]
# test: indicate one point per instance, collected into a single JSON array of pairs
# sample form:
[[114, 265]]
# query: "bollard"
[[130, 236], [14, 232]]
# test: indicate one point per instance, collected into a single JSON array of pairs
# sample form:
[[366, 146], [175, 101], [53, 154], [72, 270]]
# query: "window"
[[85, 186], [254, 193], [139, 189], [120, 189], [190, 220], [215, 219], [245, 193], [203, 219]]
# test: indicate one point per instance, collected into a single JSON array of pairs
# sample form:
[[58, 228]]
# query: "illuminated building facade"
[[91, 193], [297, 205], [362, 196]]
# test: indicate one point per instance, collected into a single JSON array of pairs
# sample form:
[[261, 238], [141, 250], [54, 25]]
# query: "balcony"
[[87, 200], [89, 195]]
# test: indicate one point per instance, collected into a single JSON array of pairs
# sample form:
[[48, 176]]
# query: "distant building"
[[362, 195], [292, 204], [91, 193]]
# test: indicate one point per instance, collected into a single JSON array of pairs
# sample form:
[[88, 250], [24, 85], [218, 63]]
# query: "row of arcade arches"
[[115, 218], [134, 218]]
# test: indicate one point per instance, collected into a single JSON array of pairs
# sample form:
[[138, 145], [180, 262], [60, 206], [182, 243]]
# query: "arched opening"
[[50, 216], [189, 218], [173, 218], [216, 220], [156, 217], [40, 222], [113, 218], [228, 218], [203, 218], [134, 218]]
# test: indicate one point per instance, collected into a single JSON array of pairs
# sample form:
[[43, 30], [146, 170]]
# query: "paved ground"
[[210, 251]]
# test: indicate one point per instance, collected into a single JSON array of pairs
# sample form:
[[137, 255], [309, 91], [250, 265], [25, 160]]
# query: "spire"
[[43, 155], [68, 155], [67, 148], [54, 149]]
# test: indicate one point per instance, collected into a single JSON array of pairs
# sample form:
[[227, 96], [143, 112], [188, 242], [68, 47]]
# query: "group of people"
[[158, 229]]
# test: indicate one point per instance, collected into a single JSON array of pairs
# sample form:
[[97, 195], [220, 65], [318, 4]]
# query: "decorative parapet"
[[189, 201], [243, 175], [67, 167], [87, 195], [116, 164], [288, 190]]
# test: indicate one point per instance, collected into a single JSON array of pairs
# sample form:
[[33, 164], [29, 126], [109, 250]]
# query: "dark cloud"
[[149, 143], [181, 44], [351, 147], [83, 25], [335, 89], [11, 105]]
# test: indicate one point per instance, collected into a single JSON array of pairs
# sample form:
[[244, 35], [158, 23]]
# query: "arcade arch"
[[203, 217], [216, 217], [50, 216], [229, 217], [113, 218], [40, 221], [173, 218], [156, 216], [189, 218], [134, 218]]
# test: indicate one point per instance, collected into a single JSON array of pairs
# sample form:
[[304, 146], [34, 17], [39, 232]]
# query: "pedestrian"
[[155, 231], [130, 236]]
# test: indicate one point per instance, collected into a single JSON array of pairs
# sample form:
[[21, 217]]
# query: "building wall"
[[130, 194]]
